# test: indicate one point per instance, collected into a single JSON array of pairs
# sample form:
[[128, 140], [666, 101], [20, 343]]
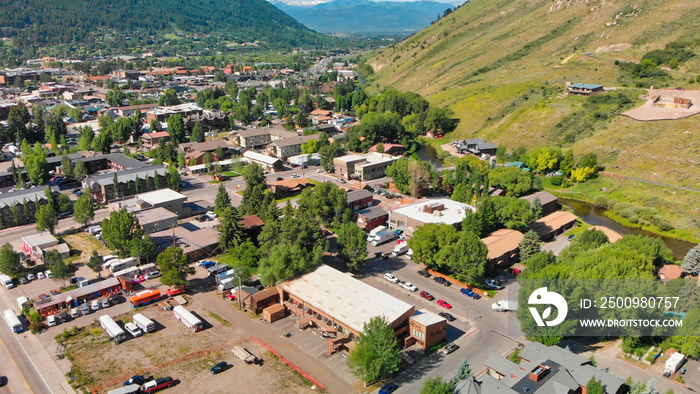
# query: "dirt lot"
[[173, 350]]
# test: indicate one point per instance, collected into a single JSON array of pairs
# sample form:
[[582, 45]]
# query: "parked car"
[[341, 180], [220, 367], [202, 218], [115, 299], [409, 286], [208, 264], [175, 290], [442, 281], [570, 237], [424, 273], [295, 176], [75, 312], [447, 316], [319, 171], [136, 379], [152, 274], [388, 388], [426, 295], [30, 277], [449, 348], [105, 302], [158, 384], [381, 255], [40, 275], [444, 304], [279, 178], [391, 278], [48, 274], [51, 320], [494, 284], [84, 308], [95, 306], [470, 293], [211, 215]]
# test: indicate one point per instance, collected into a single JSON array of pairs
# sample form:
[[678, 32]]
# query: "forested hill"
[[124, 23]]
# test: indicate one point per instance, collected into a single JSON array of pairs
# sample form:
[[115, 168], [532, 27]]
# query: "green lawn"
[[231, 174]]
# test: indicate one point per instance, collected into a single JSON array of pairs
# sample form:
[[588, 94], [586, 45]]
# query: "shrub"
[[601, 202], [557, 180]]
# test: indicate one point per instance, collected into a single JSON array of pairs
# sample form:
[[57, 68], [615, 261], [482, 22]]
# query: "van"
[[63, 316], [95, 305], [6, 281], [22, 302], [105, 302], [74, 313], [84, 308], [132, 329]]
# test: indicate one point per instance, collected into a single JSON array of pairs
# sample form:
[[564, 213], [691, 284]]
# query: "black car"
[[424, 274], [136, 379], [202, 218], [442, 281], [447, 316], [220, 367], [279, 178], [115, 299]]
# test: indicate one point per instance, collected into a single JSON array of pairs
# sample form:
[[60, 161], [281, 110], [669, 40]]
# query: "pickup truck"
[[154, 385]]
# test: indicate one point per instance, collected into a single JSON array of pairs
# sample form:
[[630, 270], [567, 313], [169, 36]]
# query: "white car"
[[48, 274], [51, 320], [133, 329], [409, 286], [30, 277], [151, 275], [391, 278], [211, 215], [40, 275], [95, 306], [319, 171], [295, 176]]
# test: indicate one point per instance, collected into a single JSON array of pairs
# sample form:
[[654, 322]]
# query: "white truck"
[[112, 328], [375, 231], [400, 249], [226, 284], [504, 306], [6, 281], [226, 275], [383, 237], [409, 254], [673, 364]]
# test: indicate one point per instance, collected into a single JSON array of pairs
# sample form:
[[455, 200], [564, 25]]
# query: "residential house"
[[583, 89], [287, 187], [151, 140], [360, 199], [286, 147], [12, 205], [553, 224], [503, 246], [130, 110], [390, 149], [475, 146], [549, 201]]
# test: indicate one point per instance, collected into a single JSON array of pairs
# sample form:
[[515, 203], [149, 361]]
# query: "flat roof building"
[[441, 210], [196, 244], [156, 219], [163, 198], [266, 162]]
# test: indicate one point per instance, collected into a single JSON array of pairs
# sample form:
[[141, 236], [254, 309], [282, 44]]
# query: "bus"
[[187, 318], [145, 297], [12, 321], [115, 332]]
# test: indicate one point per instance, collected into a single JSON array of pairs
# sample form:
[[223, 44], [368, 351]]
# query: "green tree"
[[119, 229], [59, 268], [410, 176], [80, 171], [222, 199], [83, 210], [176, 128], [115, 185], [9, 262], [691, 261], [95, 262], [36, 165], [174, 267], [473, 223], [231, 230], [284, 262], [144, 248], [64, 203], [352, 242], [536, 207], [67, 167], [173, 178], [327, 202], [436, 386], [328, 153], [463, 372], [466, 258], [376, 355], [594, 386], [46, 218], [256, 186], [567, 163], [511, 179], [529, 245], [197, 133], [591, 239], [169, 98]]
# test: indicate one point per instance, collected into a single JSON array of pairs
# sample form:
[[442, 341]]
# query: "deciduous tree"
[[376, 355], [119, 229], [436, 386], [83, 210], [174, 267], [59, 268], [9, 262], [46, 218], [352, 242], [95, 262]]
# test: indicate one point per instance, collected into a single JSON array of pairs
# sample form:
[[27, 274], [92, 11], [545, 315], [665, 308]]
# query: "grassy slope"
[[517, 99]]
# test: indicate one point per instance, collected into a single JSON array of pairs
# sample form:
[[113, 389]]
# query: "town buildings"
[[363, 167], [549, 201], [553, 224], [440, 210], [103, 188]]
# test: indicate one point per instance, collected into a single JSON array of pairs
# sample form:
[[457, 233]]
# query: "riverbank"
[[680, 207]]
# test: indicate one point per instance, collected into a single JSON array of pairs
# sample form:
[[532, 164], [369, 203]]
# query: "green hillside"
[[83, 25], [502, 65]]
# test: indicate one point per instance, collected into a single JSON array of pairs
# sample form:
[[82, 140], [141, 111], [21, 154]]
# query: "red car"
[[426, 295], [175, 290], [444, 304]]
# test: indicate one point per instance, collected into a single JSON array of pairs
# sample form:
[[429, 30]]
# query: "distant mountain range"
[[363, 16]]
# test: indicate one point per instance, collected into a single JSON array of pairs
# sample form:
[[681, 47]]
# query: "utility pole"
[[237, 274]]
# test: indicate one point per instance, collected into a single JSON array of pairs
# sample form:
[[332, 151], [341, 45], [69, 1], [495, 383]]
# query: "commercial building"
[[372, 217], [287, 147], [337, 302], [102, 185], [156, 219], [541, 369], [266, 162], [442, 210], [196, 244], [427, 329], [360, 199], [363, 167], [503, 246], [73, 298], [98, 162], [151, 140], [168, 199], [36, 246], [259, 138], [549, 201], [162, 114], [553, 224]]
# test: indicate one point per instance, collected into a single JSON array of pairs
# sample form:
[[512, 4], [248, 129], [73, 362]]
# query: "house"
[[197, 157], [256, 301], [541, 369], [338, 303], [391, 149], [266, 162], [206, 146], [549, 201], [553, 224], [287, 187], [168, 199], [151, 140], [35, 246], [253, 226], [103, 189], [583, 89], [156, 219], [475, 146], [670, 272], [286, 147], [368, 219], [503, 246], [130, 110], [363, 167], [441, 210], [360, 199]]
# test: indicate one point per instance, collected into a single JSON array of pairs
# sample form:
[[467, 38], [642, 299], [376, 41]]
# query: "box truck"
[[383, 237], [6, 281], [226, 284], [375, 231], [112, 328], [673, 364], [504, 306], [144, 323], [400, 249]]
